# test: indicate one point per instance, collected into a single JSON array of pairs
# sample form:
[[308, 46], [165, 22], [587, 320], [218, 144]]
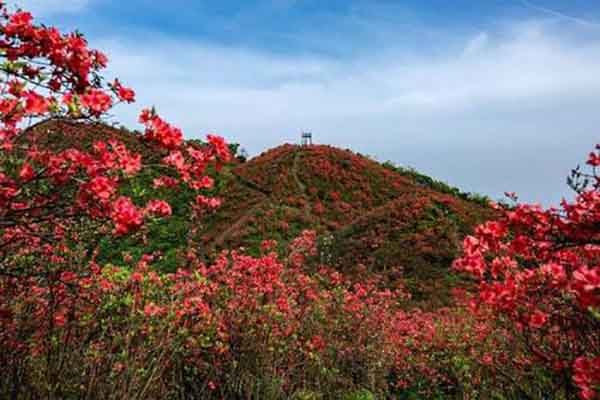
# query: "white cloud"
[[51, 7], [513, 112]]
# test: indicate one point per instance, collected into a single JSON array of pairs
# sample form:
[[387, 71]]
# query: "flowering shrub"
[[538, 268], [50, 74], [56, 203], [242, 325]]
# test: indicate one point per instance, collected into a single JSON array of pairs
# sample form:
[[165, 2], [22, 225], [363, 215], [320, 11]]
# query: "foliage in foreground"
[[244, 327]]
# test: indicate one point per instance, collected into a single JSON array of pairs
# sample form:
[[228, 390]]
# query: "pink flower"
[[126, 216], [209, 202], [158, 208]]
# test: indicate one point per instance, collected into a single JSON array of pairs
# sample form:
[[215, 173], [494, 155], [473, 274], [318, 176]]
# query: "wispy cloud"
[[511, 110], [561, 15]]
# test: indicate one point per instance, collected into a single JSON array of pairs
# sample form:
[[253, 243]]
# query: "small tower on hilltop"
[[306, 138]]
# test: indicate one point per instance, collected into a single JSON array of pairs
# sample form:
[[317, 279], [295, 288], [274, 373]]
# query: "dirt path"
[[300, 184], [221, 238]]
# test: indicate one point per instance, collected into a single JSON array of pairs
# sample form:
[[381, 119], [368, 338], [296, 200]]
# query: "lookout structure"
[[306, 138]]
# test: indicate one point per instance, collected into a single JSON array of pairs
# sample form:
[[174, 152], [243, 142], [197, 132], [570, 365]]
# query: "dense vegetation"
[[370, 220], [138, 265]]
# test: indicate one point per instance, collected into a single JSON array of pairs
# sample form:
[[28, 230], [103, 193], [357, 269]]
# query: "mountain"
[[371, 218]]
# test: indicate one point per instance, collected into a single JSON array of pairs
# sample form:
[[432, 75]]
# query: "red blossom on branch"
[[124, 94]]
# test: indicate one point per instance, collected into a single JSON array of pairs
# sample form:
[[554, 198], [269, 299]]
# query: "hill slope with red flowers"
[[371, 218]]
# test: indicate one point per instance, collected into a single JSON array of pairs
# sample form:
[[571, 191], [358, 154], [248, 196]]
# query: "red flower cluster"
[[115, 156], [594, 158], [126, 216], [216, 330], [220, 147], [35, 103], [210, 203], [101, 187], [586, 374], [97, 101], [26, 173], [124, 94], [158, 130], [158, 208]]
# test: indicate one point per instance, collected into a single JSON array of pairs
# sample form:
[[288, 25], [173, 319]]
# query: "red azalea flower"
[[97, 101], [126, 216], [124, 94], [26, 173], [220, 147], [35, 104], [152, 310], [208, 202], [158, 208]]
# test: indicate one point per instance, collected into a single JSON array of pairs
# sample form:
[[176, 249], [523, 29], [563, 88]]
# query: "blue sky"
[[488, 95]]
